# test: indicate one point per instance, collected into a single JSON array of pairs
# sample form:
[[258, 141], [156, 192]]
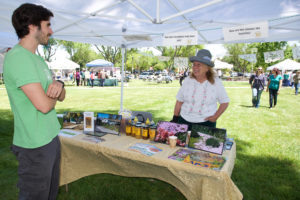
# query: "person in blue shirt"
[[274, 85]]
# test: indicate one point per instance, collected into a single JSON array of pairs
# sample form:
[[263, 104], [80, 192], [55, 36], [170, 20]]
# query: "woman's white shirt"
[[200, 99]]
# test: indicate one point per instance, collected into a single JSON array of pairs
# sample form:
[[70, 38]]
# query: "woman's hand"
[[211, 118]]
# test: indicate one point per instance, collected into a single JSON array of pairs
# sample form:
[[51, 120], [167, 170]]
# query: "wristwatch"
[[63, 84]]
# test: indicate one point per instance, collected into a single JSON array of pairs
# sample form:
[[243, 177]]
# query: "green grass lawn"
[[268, 142]]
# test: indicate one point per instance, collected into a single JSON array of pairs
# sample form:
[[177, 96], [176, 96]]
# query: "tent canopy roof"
[[63, 63], [287, 64], [222, 65], [140, 23], [99, 63]]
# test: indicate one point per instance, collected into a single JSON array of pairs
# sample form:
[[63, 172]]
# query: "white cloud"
[[217, 50]]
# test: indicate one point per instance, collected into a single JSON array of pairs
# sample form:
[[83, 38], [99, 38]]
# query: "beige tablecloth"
[[82, 158]]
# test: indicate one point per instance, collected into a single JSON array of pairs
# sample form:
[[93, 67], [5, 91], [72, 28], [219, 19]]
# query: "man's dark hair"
[[29, 14]]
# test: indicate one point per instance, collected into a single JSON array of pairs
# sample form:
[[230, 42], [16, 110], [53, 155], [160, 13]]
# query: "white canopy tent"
[[222, 65], [142, 23], [63, 63], [287, 64]]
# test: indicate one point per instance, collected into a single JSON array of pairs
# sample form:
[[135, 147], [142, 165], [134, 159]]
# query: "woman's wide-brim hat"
[[203, 56]]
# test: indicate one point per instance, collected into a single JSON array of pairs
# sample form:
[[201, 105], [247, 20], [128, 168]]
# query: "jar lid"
[[153, 126]]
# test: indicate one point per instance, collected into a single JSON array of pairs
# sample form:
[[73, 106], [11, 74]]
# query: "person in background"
[[184, 75], [82, 74], [274, 85], [33, 95], [199, 94], [296, 79], [257, 82], [286, 81], [99, 78], [87, 75], [77, 76], [92, 78]]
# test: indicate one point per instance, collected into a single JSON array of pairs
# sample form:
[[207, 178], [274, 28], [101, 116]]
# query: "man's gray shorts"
[[38, 171]]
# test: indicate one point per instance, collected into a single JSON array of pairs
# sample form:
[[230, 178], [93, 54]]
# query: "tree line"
[[83, 53]]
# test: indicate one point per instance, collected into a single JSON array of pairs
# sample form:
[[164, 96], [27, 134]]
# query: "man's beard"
[[42, 39]]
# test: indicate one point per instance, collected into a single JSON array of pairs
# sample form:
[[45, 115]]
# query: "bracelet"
[[63, 84]]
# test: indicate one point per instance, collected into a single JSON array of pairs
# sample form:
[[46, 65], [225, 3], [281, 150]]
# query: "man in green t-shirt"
[[33, 94]]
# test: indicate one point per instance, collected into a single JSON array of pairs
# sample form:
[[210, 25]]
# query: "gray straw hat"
[[203, 56]]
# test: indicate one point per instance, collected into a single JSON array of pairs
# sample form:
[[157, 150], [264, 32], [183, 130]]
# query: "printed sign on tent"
[[273, 56], [246, 31], [249, 57], [296, 52], [163, 58], [180, 38]]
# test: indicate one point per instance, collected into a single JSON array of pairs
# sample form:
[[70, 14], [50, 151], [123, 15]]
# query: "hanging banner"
[[181, 62], [296, 52], [163, 58], [246, 31], [249, 57], [180, 38], [273, 56]]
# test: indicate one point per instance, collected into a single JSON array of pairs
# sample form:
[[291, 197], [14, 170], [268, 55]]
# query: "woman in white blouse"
[[198, 97]]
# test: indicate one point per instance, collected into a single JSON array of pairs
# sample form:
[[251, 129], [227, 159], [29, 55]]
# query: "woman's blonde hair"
[[210, 75]]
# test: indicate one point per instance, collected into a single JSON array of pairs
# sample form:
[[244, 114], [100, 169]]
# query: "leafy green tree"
[[80, 53], [84, 54], [111, 54], [265, 47], [234, 51], [49, 50], [178, 51]]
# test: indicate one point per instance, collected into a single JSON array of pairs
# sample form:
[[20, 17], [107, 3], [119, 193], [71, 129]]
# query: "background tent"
[[140, 23], [222, 65], [63, 64], [101, 64], [287, 64]]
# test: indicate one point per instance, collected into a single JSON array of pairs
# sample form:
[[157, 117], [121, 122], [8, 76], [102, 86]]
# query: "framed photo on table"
[[73, 120], [165, 129], [207, 139], [108, 123]]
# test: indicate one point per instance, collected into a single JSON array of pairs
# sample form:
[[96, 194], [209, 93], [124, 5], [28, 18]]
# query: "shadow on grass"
[[265, 177], [8, 162], [108, 187], [246, 106]]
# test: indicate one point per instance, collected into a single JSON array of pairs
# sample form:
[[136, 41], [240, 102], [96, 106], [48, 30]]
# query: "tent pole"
[[122, 79]]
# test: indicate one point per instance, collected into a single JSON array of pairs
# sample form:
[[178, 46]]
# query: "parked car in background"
[[144, 75], [164, 77]]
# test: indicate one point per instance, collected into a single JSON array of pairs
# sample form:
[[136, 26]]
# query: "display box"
[[207, 139], [165, 129], [88, 122]]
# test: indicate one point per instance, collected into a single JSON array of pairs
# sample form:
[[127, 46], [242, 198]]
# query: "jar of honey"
[[128, 128], [138, 131], [152, 132], [145, 132], [133, 129]]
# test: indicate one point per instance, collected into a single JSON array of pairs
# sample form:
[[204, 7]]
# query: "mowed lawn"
[[268, 142]]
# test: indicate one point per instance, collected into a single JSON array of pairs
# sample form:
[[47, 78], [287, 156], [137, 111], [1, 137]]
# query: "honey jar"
[[128, 128], [145, 132], [138, 131], [152, 132]]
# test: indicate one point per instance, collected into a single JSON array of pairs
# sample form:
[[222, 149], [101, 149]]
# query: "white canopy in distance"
[[287, 64], [222, 65], [63, 64]]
